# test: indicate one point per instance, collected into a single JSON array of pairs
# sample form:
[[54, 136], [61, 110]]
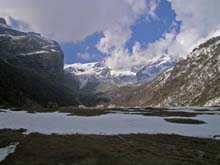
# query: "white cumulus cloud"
[[200, 20], [115, 38], [72, 20]]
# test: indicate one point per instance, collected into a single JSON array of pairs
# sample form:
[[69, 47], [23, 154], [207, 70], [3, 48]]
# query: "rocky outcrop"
[[31, 70], [24, 87], [30, 50], [3, 21], [193, 81]]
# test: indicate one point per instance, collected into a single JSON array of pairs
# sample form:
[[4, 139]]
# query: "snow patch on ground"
[[4, 152], [108, 124]]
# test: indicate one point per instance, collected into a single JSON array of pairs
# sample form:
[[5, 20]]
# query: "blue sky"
[[144, 31]]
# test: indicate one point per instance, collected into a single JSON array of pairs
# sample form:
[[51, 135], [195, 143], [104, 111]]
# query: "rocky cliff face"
[[193, 81], [30, 50], [31, 70]]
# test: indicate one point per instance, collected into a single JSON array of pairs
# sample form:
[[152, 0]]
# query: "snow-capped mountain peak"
[[98, 71], [90, 69]]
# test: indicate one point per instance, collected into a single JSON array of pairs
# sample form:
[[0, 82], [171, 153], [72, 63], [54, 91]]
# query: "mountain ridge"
[[32, 70], [194, 81]]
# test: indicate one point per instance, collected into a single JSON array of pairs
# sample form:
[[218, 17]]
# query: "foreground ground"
[[37, 149]]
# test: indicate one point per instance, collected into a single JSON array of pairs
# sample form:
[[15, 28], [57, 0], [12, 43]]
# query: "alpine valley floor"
[[36, 147]]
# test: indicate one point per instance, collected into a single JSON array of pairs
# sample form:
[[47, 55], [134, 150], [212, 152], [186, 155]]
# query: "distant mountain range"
[[91, 72], [193, 81]]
